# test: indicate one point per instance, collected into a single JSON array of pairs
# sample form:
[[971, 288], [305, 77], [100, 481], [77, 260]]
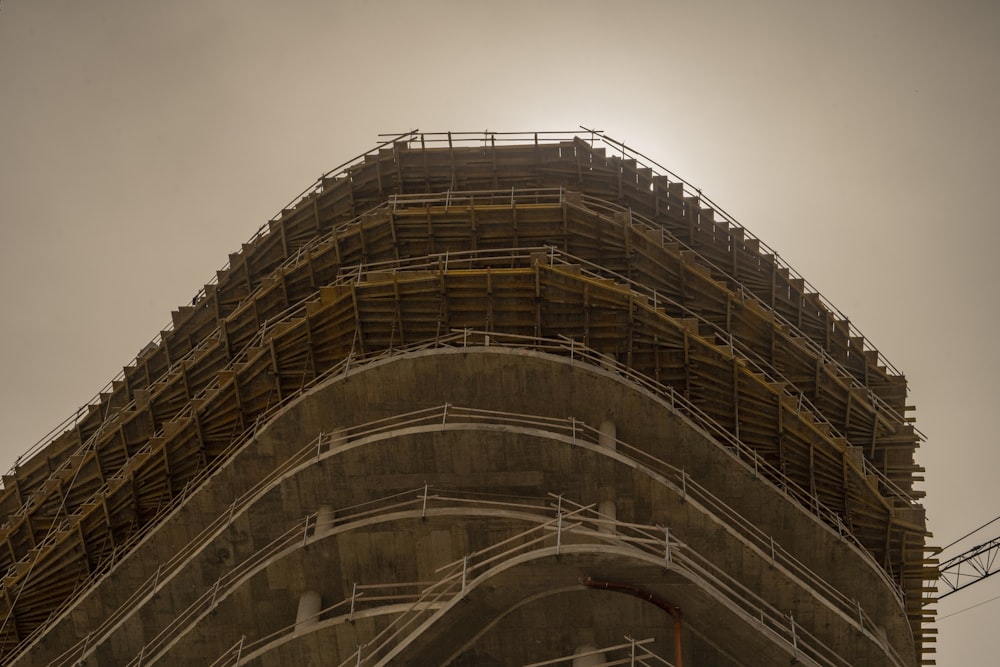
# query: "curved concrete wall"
[[552, 244], [505, 460]]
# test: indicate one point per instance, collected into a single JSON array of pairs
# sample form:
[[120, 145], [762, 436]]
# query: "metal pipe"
[[635, 591]]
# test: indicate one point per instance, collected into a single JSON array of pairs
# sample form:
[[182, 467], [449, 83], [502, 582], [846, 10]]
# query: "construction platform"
[[471, 379]]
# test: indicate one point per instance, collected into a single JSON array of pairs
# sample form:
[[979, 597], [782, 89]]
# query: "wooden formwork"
[[414, 242]]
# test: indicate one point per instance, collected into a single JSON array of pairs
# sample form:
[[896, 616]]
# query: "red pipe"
[[635, 591]]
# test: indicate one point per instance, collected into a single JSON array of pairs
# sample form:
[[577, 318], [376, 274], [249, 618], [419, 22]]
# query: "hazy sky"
[[141, 141]]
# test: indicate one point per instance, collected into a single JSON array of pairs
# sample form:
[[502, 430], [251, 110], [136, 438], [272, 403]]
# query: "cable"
[[972, 533], [980, 604]]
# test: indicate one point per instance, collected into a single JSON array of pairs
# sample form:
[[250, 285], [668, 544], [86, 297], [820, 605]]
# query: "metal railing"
[[594, 138], [513, 197], [578, 531], [573, 530], [441, 417], [632, 652], [563, 347], [521, 197], [523, 256], [692, 191]]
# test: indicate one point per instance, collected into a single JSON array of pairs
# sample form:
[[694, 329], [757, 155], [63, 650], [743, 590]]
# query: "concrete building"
[[483, 400]]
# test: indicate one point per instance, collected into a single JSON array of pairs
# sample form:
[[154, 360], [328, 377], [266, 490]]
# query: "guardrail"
[[597, 138], [573, 529], [578, 531], [520, 197], [467, 259], [440, 417], [564, 347], [632, 652]]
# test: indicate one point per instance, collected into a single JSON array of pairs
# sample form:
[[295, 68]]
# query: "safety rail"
[[676, 400], [515, 197], [577, 531], [445, 261], [123, 547], [553, 196], [760, 366], [680, 404], [596, 203], [96, 403], [505, 198], [633, 652], [347, 608], [298, 535], [751, 536], [448, 415], [595, 139], [484, 138], [696, 192], [555, 256], [454, 583], [302, 533], [181, 556], [572, 521], [464, 338]]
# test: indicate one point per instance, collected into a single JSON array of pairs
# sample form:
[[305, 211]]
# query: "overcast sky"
[[142, 141]]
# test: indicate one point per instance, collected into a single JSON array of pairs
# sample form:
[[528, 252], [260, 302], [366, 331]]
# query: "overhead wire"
[[978, 604], [996, 518]]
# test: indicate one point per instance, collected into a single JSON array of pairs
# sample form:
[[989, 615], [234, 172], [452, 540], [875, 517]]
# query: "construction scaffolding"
[[566, 243]]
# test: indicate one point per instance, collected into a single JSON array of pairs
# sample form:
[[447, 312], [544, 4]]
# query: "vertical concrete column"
[[609, 512], [310, 604], [324, 520], [608, 435], [594, 658]]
